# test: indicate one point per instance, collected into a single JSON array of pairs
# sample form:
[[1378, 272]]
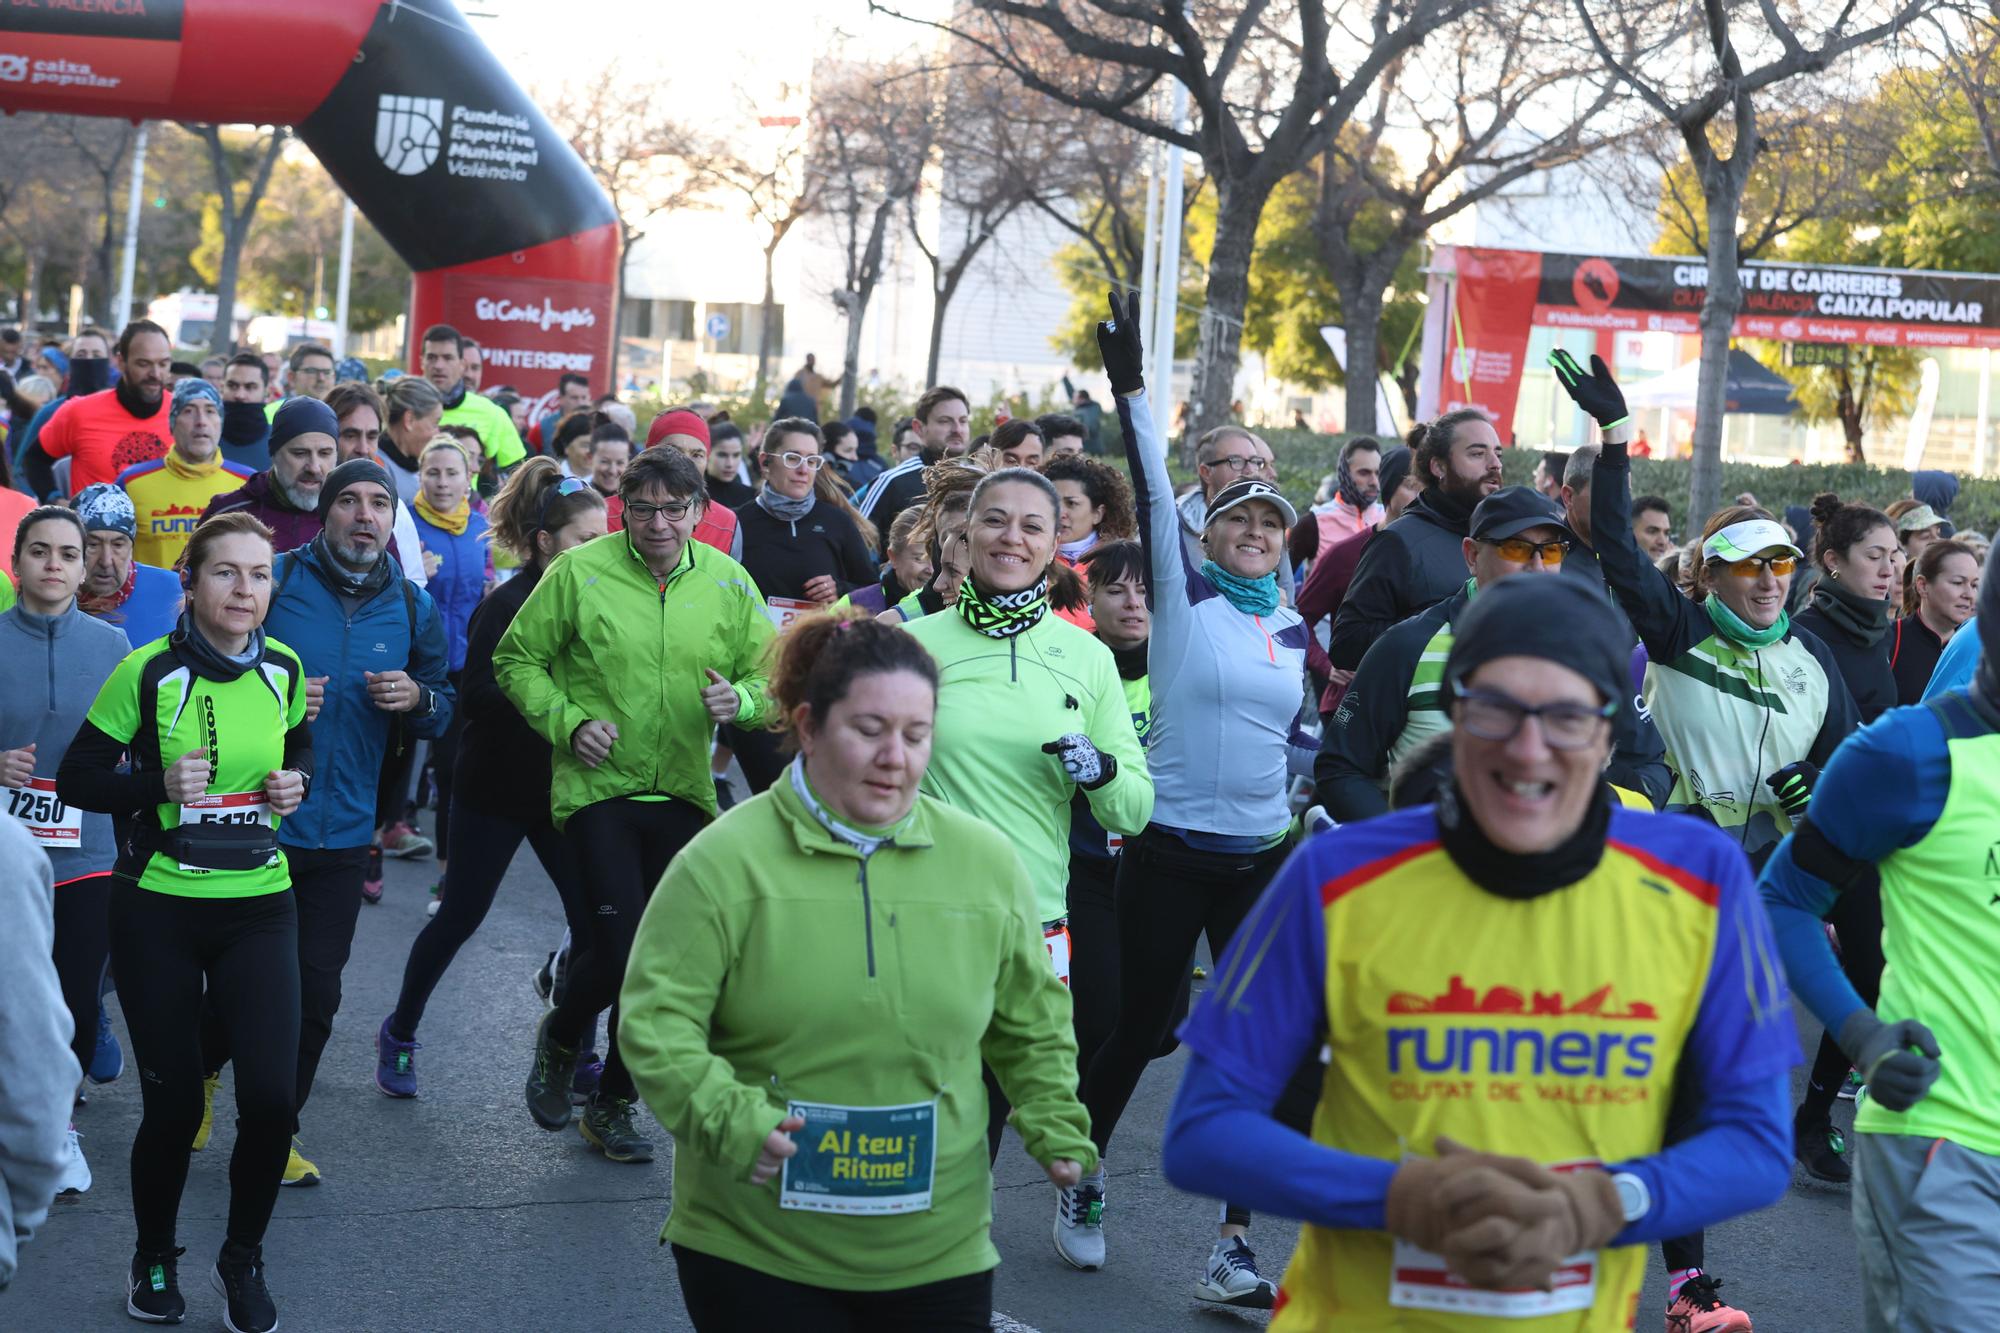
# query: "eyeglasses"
[[1519, 550], [639, 512], [790, 458], [567, 486], [1242, 463], [1780, 565], [1497, 717]]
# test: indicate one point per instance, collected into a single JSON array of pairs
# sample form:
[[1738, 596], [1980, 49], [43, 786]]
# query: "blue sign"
[[718, 327]]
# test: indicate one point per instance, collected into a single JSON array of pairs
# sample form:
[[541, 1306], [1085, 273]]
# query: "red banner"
[[1493, 309]]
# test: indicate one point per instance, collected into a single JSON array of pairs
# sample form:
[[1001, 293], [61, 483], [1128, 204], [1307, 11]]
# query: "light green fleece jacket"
[[774, 962], [999, 702]]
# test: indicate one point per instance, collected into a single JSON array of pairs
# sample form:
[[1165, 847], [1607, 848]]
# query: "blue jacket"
[[151, 609], [460, 578], [398, 629]]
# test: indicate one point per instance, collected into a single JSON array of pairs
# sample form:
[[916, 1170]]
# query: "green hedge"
[[1304, 457]]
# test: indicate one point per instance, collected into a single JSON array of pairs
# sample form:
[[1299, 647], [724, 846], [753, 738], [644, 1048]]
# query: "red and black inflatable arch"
[[510, 236]]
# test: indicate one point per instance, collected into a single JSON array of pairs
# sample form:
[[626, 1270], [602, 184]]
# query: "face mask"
[[244, 423], [89, 375]]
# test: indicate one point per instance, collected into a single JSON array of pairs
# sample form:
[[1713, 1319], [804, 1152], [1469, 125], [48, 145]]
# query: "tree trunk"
[[106, 244], [31, 294], [235, 228], [940, 298], [1361, 299], [767, 335], [222, 339], [860, 291], [1238, 206], [1718, 318]]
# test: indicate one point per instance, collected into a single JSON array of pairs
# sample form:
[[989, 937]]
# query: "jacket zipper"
[[1013, 660], [1270, 649], [867, 917]]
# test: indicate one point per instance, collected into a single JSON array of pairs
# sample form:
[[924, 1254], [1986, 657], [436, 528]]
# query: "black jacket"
[[1413, 563], [781, 556], [1864, 666], [503, 763]]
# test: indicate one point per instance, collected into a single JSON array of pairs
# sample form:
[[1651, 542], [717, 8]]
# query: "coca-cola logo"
[[546, 315]]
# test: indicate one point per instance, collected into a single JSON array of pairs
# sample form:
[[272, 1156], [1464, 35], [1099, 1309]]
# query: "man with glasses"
[[1226, 455], [631, 784], [1398, 700], [1511, 984]]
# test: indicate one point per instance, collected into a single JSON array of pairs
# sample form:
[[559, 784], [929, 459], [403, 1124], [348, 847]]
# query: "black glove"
[[1118, 343], [1793, 785], [1596, 392], [1897, 1076]]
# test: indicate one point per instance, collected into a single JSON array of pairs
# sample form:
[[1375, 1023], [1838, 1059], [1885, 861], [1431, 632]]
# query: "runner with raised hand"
[[755, 1027], [625, 657], [212, 718], [1226, 665], [1416, 946], [1910, 804]]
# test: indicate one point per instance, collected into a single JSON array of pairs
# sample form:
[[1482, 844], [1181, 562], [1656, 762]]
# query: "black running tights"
[[83, 942]]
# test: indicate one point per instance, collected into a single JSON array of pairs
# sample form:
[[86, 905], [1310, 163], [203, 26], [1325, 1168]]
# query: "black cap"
[[1512, 510], [1565, 621], [1396, 462], [352, 473]]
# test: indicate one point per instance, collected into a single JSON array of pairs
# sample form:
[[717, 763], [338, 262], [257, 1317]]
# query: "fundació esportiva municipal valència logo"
[[409, 132]]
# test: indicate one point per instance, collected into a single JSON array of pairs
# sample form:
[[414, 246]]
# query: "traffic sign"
[[718, 327]]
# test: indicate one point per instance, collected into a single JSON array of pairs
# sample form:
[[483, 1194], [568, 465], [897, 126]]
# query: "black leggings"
[[1857, 916], [83, 943], [723, 1297], [759, 753], [622, 848], [482, 847], [1169, 894], [444, 759], [1094, 975], [163, 948]]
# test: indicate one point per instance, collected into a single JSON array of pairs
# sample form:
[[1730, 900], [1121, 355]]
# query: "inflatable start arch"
[[509, 234]]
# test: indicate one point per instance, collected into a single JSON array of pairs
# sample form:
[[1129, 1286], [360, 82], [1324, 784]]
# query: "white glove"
[[1088, 767]]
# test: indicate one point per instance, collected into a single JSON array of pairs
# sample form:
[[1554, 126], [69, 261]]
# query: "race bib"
[[866, 1160], [238, 807], [1419, 1280], [1056, 937], [48, 821], [784, 610]]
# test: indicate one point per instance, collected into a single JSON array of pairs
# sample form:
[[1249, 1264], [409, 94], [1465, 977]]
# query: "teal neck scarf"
[[1253, 597], [1732, 627]]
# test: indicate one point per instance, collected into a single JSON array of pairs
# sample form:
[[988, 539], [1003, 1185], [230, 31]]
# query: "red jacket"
[[1320, 597]]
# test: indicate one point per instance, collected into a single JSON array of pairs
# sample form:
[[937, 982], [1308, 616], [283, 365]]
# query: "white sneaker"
[[1080, 1223], [75, 1177], [1232, 1278]]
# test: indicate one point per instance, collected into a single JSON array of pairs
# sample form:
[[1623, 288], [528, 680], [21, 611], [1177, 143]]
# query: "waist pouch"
[[212, 846]]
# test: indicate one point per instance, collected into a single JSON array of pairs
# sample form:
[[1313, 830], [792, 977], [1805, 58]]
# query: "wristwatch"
[[1635, 1199]]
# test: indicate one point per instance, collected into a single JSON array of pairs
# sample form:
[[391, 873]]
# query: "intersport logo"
[[546, 315]]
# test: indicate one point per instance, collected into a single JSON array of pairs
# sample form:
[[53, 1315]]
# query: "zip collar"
[[913, 834]]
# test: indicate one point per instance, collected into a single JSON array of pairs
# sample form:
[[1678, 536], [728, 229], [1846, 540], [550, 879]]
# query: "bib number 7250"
[[49, 821]]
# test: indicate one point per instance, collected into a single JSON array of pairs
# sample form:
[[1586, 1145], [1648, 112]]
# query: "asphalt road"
[[455, 1212]]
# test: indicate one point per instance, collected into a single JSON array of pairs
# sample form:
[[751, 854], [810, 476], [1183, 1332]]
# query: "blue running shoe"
[[107, 1062], [589, 1073], [395, 1064]]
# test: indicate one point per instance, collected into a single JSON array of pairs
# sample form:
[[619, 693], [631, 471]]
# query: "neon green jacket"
[[600, 638], [495, 427], [775, 963], [999, 702]]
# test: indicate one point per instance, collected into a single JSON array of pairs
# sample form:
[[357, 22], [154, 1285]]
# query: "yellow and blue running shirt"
[[1550, 1026]]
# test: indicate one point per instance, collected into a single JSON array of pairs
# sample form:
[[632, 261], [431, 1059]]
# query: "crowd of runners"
[[890, 777]]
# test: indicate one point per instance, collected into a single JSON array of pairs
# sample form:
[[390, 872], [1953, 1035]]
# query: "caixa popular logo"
[[13, 68], [409, 132]]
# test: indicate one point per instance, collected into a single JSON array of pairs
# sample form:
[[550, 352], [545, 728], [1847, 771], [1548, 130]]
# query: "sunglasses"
[[1519, 550], [567, 486], [1780, 565]]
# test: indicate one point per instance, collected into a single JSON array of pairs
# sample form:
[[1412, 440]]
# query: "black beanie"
[[353, 471], [1394, 467], [1561, 620]]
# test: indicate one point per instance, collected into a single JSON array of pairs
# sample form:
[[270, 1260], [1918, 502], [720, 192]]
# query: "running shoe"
[[437, 896], [395, 1064], [107, 1061], [1822, 1151], [153, 1288], [239, 1280], [371, 878], [1080, 1223], [1852, 1087], [1317, 821], [1232, 1278], [583, 1083], [405, 843], [75, 1177], [298, 1171], [607, 1126], [549, 1079], [208, 1086], [1697, 1309], [543, 979]]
